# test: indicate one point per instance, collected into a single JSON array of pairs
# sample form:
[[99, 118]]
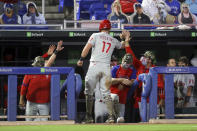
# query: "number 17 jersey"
[[103, 46]]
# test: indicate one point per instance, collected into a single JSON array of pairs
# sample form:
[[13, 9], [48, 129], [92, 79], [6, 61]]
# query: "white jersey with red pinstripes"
[[186, 80], [103, 46]]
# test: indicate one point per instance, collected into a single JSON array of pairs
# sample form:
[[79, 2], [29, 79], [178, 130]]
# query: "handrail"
[[55, 72], [91, 24]]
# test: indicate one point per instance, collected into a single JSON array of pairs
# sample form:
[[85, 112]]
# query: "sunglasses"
[[185, 7]]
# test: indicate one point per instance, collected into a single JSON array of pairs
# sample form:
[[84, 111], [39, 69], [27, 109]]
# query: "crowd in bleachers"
[[124, 11], [21, 13], [139, 11]]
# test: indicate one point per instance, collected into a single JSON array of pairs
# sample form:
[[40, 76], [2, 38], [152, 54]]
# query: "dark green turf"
[[140, 127]]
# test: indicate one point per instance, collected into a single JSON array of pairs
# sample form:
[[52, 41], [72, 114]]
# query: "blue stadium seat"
[[100, 15], [83, 8], [62, 3], [97, 11]]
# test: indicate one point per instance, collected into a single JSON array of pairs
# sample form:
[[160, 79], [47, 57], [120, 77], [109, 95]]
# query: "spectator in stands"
[[117, 13], [192, 6], [36, 88], [174, 6], [184, 86], [186, 17], [33, 16], [151, 8], [9, 16], [127, 6], [139, 17]]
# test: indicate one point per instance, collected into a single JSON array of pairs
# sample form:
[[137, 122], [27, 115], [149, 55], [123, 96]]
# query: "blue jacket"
[[175, 7]]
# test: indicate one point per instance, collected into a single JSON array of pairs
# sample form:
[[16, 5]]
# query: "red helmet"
[[105, 24]]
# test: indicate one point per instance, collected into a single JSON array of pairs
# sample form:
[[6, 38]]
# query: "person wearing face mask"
[[123, 76], [142, 66], [33, 16]]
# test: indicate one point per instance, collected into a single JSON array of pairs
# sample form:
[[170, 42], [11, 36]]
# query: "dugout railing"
[[169, 89], [55, 73]]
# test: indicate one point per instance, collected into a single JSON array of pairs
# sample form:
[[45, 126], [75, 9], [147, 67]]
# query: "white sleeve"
[[191, 80], [92, 39], [175, 78]]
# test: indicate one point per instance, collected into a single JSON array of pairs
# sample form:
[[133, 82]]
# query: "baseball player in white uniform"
[[102, 45], [184, 86]]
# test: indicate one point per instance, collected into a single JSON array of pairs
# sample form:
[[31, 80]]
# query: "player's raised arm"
[[125, 36], [53, 57]]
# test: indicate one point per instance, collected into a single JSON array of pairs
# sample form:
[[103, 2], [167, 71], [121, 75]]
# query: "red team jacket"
[[142, 69], [119, 72], [36, 88]]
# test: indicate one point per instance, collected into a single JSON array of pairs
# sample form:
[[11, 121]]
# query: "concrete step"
[[48, 2], [54, 16], [49, 9], [39, 2], [59, 21]]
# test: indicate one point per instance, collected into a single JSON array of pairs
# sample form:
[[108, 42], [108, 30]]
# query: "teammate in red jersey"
[[36, 88], [142, 66], [122, 78]]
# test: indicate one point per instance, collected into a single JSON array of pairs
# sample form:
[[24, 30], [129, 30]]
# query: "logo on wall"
[[154, 34], [30, 34], [194, 34], [115, 34], [42, 70], [73, 34], [48, 70]]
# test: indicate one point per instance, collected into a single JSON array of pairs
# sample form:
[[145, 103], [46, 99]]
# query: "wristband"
[[187, 98], [82, 59], [56, 52]]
